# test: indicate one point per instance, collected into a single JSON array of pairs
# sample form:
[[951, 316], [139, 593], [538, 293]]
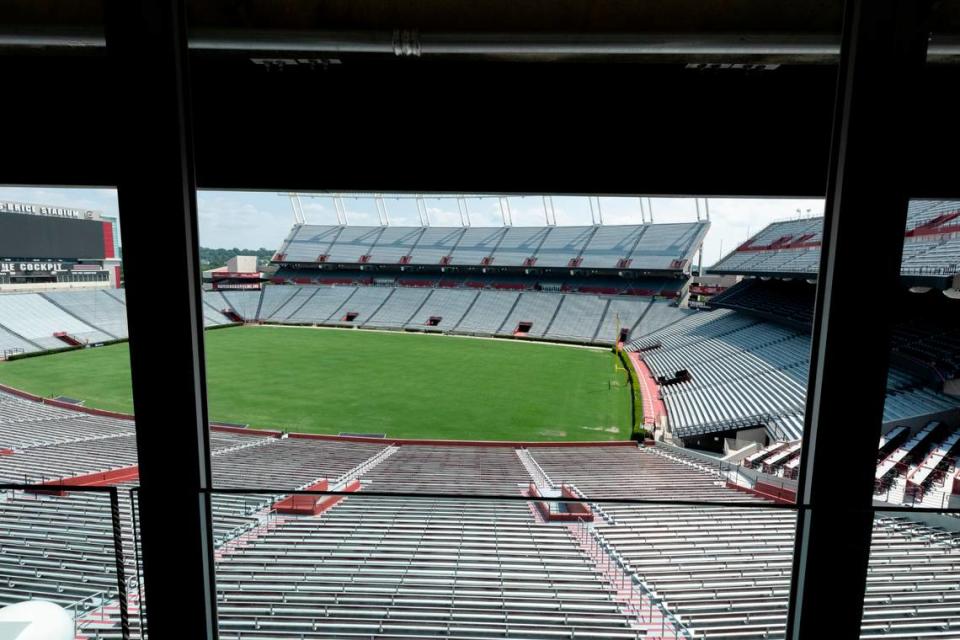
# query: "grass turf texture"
[[404, 385]]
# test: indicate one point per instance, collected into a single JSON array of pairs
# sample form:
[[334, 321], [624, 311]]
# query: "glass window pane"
[[709, 369], [919, 441], [333, 566], [912, 576], [65, 404]]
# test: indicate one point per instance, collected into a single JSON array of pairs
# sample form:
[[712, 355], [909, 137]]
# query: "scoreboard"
[[49, 237]]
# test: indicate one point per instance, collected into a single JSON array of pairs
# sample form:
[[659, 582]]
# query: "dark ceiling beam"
[[782, 48]]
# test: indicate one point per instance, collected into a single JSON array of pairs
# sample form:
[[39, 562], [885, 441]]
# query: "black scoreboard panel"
[[29, 236]]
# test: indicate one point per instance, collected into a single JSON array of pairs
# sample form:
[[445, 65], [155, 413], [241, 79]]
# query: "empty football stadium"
[[542, 321], [380, 364]]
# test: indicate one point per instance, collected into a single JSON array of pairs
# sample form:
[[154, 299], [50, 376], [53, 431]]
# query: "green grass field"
[[403, 385]]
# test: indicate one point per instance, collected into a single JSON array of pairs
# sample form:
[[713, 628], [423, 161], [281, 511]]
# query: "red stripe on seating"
[[653, 406], [98, 479], [513, 444], [313, 505], [770, 492]]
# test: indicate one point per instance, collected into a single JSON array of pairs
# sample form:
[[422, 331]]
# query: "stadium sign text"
[[31, 267], [44, 210]]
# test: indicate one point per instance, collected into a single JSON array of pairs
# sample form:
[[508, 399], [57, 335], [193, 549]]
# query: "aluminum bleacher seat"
[[925, 212], [352, 244], [389, 567], [394, 244], [95, 308], [435, 244], [401, 306], [577, 318], [562, 245], [536, 308], [213, 317], [59, 549], [289, 463], [747, 372], [488, 312], [723, 571], [244, 303], [37, 319], [629, 472], [448, 306], [29, 424], [11, 343], [316, 304], [661, 245], [476, 245], [910, 591], [276, 298], [519, 244], [621, 313], [929, 248], [449, 469], [308, 242], [64, 459], [658, 315], [361, 306], [611, 244], [215, 299], [296, 298]]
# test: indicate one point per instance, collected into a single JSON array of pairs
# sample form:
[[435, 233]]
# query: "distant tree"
[[214, 258]]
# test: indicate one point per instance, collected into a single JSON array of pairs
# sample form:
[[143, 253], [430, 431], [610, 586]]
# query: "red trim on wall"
[[768, 491], [108, 248], [312, 505], [653, 405], [97, 479], [770, 247], [513, 444], [577, 512], [243, 431]]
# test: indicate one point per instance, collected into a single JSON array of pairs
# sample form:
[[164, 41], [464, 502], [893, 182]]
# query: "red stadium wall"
[[97, 479], [513, 444], [312, 505], [768, 491], [108, 248]]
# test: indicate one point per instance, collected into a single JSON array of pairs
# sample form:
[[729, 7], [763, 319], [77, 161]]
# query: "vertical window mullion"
[[147, 54], [882, 55]]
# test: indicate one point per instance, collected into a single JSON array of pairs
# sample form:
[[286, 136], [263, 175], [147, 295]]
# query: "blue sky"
[[252, 219]]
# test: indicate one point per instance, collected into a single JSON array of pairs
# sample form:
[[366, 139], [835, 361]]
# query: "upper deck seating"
[[793, 247]]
